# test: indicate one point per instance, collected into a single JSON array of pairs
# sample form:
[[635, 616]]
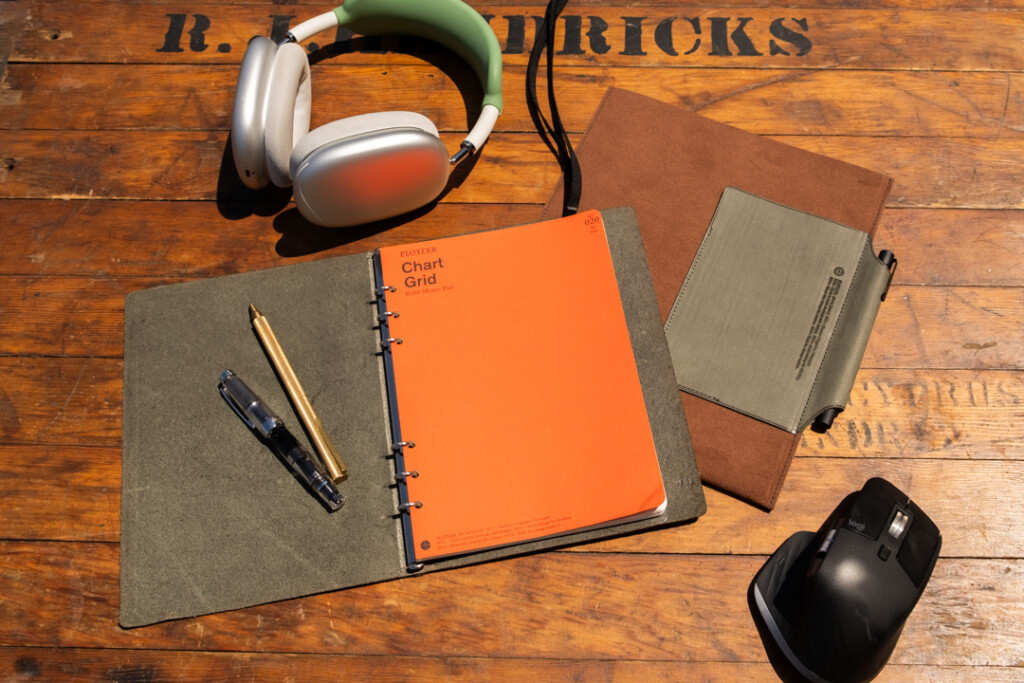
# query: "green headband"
[[452, 23]]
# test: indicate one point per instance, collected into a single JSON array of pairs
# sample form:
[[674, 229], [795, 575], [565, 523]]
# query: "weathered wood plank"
[[917, 327], [538, 5], [56, 316], [66, 493], [934, 413], [971, 520], [640, 36], [949, 327], [142, 665], [188, 165], [132, 665], [766, 101], [962, 414], [68, 401], [73, 494], [12, 18], [962, 247], [512, 168], [554, 605], [932, 172], [131, 239]]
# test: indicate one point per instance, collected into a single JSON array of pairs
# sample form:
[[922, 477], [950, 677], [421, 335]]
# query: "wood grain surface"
[[116, 175]]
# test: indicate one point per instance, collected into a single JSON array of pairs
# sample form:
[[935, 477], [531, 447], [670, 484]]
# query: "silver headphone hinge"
[[465, 150]]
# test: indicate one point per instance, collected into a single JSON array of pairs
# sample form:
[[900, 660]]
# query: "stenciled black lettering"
[[515, 37], [634, 37], [196, 35], [720, 37], [695, 25], [172, 39], [279, 25], [663, 36], [742, 40], [728, 36], [572, 44], [595, 34], [798, 40]]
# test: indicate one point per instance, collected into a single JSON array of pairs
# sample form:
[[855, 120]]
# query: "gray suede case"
[[212, 521]]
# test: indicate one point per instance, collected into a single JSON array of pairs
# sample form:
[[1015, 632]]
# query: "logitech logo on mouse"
[[857, 526]]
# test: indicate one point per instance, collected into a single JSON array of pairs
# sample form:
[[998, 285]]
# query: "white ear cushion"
[[357, 125], [288, 107]]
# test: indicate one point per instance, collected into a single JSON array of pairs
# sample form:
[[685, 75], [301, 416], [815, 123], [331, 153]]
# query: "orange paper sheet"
[[516, 380]]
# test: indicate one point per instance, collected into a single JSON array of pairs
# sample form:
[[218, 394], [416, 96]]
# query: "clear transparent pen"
[[259, 418]]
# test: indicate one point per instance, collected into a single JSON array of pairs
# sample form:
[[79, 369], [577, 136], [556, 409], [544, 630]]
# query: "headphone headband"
[[451, 23]]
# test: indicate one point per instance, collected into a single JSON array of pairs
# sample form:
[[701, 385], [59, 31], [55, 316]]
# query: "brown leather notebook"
[[672, 167]]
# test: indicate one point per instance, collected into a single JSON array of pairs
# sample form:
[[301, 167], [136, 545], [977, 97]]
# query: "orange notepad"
[[516, 381]]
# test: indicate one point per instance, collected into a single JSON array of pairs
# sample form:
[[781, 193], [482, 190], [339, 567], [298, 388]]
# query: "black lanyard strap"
[[553, 133]]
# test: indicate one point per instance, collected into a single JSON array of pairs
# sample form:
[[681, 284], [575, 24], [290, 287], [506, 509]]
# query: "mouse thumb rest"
[[791, 559]]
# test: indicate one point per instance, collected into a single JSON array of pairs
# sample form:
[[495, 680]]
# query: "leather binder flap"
[[210, 519], [775, 312]]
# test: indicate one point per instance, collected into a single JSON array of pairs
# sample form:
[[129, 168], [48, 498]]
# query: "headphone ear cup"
[[353, 127], [249, 114], [288, 110], [368, 167]]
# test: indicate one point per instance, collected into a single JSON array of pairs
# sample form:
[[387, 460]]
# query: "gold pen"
[[336, 470]]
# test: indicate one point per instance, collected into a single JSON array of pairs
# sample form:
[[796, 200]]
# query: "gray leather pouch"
[[775, 312]]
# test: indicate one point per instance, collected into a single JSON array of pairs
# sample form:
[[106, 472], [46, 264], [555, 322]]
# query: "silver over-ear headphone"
[[366, 167]]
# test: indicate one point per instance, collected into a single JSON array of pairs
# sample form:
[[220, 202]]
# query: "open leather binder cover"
[[672, 166], [533, 429]]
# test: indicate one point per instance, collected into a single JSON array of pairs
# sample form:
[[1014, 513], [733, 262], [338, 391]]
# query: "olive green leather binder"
[[212, 521], [775, 312]]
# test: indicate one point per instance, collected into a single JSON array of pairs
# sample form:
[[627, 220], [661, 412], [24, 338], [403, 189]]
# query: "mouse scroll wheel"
[[898, 525]]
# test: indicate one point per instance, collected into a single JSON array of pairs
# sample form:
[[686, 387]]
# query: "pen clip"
[[234, 406], [888, 260]]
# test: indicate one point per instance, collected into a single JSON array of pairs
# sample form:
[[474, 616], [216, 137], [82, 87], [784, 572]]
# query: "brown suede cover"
[[672, 166]]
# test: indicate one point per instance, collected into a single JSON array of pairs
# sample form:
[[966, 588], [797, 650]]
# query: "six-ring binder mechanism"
[[387, 342], [575, 450]]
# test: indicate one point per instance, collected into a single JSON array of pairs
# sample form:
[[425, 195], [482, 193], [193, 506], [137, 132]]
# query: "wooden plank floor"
[[113, 122]]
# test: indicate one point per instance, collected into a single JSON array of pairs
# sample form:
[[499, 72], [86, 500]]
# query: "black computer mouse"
[[835, 601]]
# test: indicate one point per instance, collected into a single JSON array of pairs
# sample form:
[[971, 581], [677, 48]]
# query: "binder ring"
[[402, 476], [403, 444], [381, 291], [391, 340], [406, 507], [383, 317]]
